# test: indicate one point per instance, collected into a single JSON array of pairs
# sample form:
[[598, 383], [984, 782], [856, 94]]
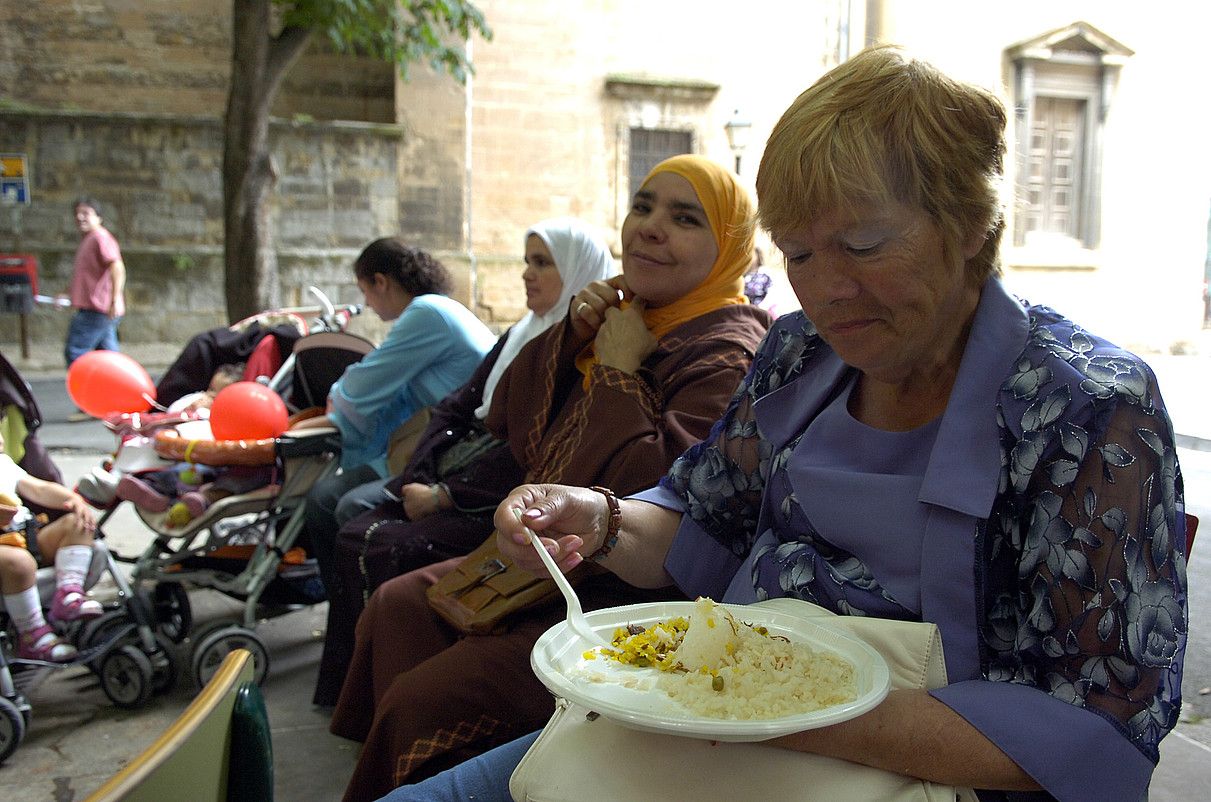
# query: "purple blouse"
[[861, 485]]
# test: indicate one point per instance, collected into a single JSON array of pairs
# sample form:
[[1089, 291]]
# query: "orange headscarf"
[[729, 213]]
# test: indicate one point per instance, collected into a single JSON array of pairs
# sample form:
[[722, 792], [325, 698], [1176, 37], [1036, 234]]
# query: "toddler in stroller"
[[65, 542], [184, 490], [34, 485]]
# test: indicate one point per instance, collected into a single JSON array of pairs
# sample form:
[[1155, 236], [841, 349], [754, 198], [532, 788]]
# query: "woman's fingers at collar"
[[604, 294], [583, 309], [593, 300], [619, 283]]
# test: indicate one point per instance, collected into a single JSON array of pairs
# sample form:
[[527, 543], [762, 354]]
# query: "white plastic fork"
[[576, 620]]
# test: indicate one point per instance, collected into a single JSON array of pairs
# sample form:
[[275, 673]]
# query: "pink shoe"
[[44, 644], [141, 494], [70, 604]]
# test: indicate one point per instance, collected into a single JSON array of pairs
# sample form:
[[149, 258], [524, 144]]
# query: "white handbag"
[[581, 756]]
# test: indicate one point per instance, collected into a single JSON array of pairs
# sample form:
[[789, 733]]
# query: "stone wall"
[[158, 179], [432, 110], [123, 101], [165, 58]]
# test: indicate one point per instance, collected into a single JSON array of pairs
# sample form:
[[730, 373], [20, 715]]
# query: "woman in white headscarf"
[[441, 505], [578, 257]]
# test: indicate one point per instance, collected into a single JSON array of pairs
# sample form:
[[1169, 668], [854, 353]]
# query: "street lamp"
[[738, 128]]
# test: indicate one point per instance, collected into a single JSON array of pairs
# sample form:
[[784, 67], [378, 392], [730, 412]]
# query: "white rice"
[[740, 672]]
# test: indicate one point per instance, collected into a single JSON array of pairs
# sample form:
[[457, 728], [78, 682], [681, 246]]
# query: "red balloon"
[[108, 382], [247, 411]]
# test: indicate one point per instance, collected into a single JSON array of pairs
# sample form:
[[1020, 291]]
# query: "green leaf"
[[399, 31]]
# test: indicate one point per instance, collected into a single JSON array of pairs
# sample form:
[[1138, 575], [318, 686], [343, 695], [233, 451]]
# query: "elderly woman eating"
[[917, 444]]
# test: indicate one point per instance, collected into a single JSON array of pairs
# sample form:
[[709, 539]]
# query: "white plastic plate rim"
[[557, 659]]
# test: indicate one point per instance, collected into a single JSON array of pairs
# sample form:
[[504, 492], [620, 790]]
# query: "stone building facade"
[[122, 99]]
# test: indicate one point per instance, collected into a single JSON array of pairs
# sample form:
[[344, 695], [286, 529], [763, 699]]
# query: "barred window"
[[649, 147]]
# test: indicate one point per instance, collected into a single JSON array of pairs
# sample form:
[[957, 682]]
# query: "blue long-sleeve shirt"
[[431, 350]]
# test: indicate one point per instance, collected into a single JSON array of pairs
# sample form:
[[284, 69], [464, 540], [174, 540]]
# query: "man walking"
[[97, 286]]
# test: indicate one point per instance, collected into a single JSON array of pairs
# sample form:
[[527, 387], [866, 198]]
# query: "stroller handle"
[[325, 303], [332, 318]]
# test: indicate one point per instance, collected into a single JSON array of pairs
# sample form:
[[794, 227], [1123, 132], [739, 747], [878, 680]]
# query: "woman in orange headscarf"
[[637, 372]]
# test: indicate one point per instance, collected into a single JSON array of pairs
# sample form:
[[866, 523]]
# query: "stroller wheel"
[[126, 677], [12, 727], [204, 630], [211, 650], [172, 611], [101, 630], [164, 665]]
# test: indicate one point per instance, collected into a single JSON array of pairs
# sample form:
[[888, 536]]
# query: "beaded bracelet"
[[612, 528]]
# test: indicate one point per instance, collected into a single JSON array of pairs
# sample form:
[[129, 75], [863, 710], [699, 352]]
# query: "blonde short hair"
[[884, 127]]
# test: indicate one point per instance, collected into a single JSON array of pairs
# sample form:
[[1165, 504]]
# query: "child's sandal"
[[44, 644]]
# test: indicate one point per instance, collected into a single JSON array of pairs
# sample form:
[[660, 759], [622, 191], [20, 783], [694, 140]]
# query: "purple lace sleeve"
[[1086, 572]]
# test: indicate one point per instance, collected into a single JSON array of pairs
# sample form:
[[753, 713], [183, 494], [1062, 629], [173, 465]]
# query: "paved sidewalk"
[[1185, 383]]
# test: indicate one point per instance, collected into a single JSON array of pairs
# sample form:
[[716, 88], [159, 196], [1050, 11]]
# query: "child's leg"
[[17, 571], [143, 495], [68, 545], [193, 504], [18, 583]]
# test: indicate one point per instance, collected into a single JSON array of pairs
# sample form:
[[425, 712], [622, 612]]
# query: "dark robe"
[[382, 543]]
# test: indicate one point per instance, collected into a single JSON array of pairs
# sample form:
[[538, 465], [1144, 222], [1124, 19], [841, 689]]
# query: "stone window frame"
[[1076, 62], [681, 105]]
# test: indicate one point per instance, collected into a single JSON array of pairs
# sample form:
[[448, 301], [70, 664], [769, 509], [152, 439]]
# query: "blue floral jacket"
[[1064, 504]]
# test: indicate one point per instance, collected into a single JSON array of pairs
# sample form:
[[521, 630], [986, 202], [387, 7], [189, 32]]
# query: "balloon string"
[[154, 403]]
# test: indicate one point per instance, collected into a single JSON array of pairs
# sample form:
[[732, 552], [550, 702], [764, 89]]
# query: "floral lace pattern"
[[1082, 577]]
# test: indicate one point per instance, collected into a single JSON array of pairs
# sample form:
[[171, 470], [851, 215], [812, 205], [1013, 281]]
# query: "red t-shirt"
[[92, 285]]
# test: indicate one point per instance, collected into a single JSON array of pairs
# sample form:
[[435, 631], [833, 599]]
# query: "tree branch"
[[284, 51]]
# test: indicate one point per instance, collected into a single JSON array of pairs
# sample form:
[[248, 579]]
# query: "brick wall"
[[549, 139]]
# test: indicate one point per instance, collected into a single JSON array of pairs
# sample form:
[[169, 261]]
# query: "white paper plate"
[[558, 661]]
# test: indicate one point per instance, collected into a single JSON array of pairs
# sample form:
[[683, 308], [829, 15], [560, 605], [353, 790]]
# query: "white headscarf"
[[581, 256]]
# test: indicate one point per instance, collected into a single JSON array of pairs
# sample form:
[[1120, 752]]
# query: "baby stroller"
[[241, 545], [126, 673]]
